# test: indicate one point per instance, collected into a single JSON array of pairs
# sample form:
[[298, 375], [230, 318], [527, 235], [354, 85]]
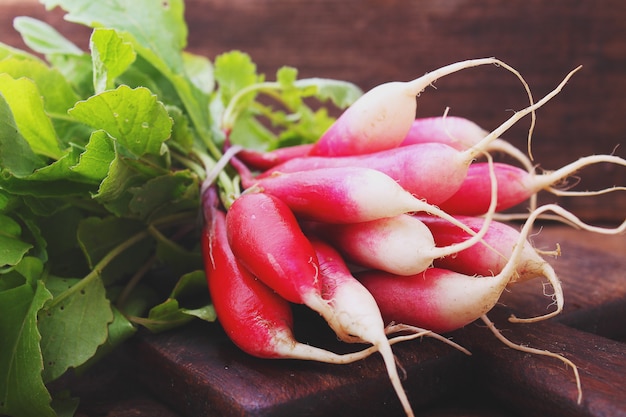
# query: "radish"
[[381, 118], [444, 300], [266, 238], [443, 166], [356, 317], [413, 167], [491, 255], [401, 245], [438, 299], [254, 317], [516, 185], [260, 160], [460, 133]]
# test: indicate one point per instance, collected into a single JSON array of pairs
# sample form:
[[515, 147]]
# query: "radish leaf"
[[22, 391], [134, 117], [72, 328]]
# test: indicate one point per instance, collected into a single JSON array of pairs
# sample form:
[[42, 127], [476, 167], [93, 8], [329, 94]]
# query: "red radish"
[[381, 118], [266, 238], [451, 165], [345, 195], [401, 245], [356, 317], [515, 185], [254, 317], [460, 133], [491, 255], [263, 160], [437, 299], [412, 167], [444, 300]]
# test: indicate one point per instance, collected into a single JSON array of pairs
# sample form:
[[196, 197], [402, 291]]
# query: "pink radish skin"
[[465, 156], [459, 133], [401, 245], [266, 238], [437, 299], [443, 300], [356, 317], [254, 317], [515, 185], [489, 258], [412, 167], [264, 160], [381, 118]]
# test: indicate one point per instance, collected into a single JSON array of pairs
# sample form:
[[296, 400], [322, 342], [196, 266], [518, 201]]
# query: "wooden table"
[[196, 371]]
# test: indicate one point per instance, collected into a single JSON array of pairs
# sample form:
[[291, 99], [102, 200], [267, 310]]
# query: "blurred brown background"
[[373, 41]]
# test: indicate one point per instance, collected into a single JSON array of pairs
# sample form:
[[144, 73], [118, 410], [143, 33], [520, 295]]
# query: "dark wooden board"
[[200, 373]]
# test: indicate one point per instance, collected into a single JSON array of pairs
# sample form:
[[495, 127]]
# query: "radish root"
[[531, 350]]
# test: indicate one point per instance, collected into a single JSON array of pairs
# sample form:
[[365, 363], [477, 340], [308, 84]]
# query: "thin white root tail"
[[416, 332], [535, 351]]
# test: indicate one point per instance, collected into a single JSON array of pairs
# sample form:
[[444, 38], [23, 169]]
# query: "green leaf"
[[22, 390], [99, 153], [7, 51], [166, 194], [57, 92], [340, 93], [111, 56], [200, 72], [119, 330], [132, 116], [43, 38], [12, 247], [158, 33], [24, 98], [16, 156], [234, 71], [99, 236], [114, 192], [190, 291], [158, 27], [73, 325]]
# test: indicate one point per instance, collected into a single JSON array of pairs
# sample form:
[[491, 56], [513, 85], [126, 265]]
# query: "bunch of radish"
[[386, 227]]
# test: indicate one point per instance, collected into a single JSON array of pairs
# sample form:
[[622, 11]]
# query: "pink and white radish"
[[401, 245], [356, 317], [263, 160], [517, 185], [441, 299], [254, 317], [381, 118], [490, 256], [433, 173], [459, 133], [266, 238], [412, 167], [437, 299]]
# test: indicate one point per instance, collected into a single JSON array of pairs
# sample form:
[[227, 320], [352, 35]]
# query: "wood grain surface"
[[373, 41], [200, 373]]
